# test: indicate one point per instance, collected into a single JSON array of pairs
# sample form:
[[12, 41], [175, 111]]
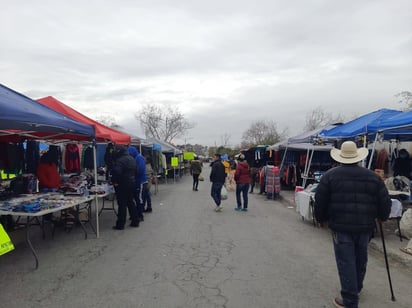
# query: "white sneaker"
[[218, 208]]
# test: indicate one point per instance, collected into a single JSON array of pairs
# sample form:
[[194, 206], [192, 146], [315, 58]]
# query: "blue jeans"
[[216, 192], [242, 188], [351, 253]]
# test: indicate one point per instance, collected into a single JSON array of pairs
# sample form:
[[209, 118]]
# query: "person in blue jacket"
[[141, 179]]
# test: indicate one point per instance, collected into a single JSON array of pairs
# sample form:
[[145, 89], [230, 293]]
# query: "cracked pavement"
[[186, 255]]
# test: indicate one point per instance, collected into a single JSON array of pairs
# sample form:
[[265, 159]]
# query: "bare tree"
[[262, 132], [225, 138], [405, 97], [164, 123], [108, 121], [318, 118]]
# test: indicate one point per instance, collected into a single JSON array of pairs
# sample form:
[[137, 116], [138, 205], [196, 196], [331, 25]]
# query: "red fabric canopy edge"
[[103, 133]]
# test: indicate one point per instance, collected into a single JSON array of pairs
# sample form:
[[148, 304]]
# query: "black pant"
[[195, 181], [252, 182], [124, 195]]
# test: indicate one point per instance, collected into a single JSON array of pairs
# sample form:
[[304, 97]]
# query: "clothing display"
[[72, 158]]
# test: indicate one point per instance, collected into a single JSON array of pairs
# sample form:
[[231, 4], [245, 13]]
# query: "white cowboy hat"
[[349, 153]]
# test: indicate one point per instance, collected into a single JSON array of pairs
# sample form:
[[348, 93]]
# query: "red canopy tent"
[[103, 133]]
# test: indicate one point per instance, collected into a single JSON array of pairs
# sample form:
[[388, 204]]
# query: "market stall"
[[25, 119], [102, 134]]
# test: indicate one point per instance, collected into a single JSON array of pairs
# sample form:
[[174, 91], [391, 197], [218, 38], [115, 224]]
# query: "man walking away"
[[242, 178], [195, 170], [349, 198], [217, 177]]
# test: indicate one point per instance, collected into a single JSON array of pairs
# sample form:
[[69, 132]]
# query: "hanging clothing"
[[88, 161], [382, 160], [72, 158], [32, 156]]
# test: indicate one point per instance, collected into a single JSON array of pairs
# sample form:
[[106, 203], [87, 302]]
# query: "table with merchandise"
[[35, 206]]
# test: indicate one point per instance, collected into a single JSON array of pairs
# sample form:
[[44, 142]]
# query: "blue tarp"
[[366, 124], [18, 112], [399, 124]]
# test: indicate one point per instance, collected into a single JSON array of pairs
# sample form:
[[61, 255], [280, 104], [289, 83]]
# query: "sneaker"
[[338, 302], [148, 210], [237, 208], [135, 224], [117, 228], [244, 209], [218, 208]]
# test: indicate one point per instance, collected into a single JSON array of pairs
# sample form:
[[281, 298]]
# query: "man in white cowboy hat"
[[348, 199]]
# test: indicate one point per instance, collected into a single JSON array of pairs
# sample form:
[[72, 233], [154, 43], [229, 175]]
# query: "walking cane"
[[386, 261]]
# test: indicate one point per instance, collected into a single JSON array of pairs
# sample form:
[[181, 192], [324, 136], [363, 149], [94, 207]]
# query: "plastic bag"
[[406, 223], [223, 193], [201, 177]]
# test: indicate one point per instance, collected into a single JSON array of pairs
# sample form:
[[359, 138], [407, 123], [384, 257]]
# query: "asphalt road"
[[186, 255]]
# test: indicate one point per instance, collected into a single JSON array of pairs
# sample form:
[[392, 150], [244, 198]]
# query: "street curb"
[[375, 244], [286, 200]]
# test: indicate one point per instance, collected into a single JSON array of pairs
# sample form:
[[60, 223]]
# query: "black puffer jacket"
[[350, 197], [124, 169], [218, 174]]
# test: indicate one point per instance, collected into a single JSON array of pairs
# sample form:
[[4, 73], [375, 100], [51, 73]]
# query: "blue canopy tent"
[[308, 142], [398, 126], [23, 118], [363, 125]]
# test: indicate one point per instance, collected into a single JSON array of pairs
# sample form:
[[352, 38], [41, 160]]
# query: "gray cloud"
[[224, 63]]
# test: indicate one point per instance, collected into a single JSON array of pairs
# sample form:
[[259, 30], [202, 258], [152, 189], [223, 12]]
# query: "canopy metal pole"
[[373, 150], [283, 158], [305, 171], [96, 199]]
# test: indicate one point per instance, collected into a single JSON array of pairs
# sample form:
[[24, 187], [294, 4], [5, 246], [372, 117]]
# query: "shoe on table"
[[338, 302], [117, 228], [244, 209]]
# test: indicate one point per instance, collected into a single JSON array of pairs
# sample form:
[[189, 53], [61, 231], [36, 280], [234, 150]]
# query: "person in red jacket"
[[47, 173], [242, 178]]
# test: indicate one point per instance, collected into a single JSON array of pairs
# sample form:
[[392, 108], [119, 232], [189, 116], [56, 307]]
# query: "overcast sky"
[[225, 64]]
